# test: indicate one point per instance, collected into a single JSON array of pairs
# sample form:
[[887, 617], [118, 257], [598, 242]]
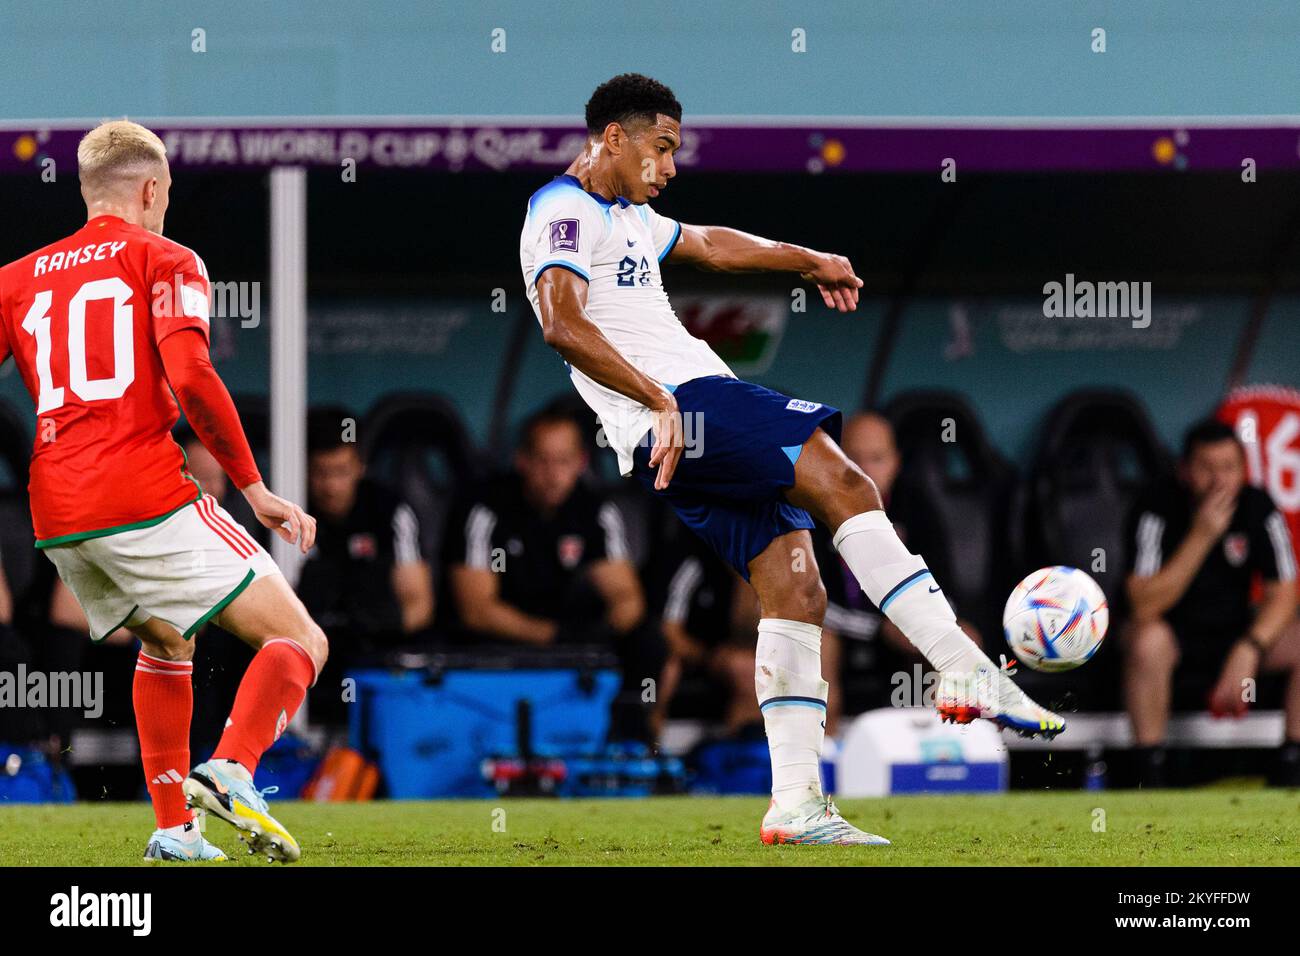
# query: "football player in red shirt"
[[106, 326]]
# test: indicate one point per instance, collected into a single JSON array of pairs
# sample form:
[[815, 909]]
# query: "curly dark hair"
[[630, 96]]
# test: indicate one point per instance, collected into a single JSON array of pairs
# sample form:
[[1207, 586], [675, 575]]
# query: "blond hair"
[[116, 153]]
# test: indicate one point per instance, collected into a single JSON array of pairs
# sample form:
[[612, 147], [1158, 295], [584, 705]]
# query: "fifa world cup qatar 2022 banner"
[[723, 144]]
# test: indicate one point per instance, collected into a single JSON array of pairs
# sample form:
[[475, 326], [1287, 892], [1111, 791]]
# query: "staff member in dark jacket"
[[1200, 544], [365, 581], [538, 559], [535, 557]]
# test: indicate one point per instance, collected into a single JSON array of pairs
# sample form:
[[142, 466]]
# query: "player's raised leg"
[[835, 491], [163, 698], [792, 695], [291, 650]]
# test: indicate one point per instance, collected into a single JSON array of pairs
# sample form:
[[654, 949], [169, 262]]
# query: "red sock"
[[269, 695], [164, 700]]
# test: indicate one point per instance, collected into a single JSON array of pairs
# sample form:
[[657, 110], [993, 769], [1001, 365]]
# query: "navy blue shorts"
[[741, 444]]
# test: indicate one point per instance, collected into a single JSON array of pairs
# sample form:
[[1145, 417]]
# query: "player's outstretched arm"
[[562, 296], [211, 413], [721, 249]]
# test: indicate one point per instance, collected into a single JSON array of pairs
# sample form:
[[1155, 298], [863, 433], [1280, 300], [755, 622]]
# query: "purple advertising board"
[[778, 144]]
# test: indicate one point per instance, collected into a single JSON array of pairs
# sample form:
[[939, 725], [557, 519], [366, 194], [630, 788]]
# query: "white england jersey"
[[617, 247]]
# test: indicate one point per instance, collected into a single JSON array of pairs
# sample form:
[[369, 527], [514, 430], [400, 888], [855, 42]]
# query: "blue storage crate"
[[288, 765], [27, 776], [732, 767], [431, 735]]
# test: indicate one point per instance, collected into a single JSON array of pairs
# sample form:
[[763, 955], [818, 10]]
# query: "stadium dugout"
[[386, 252]]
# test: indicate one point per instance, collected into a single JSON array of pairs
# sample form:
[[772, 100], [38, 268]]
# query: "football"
[[1055, 619]]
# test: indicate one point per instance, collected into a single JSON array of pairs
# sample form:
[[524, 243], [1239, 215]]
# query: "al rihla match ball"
[[1055, 619]]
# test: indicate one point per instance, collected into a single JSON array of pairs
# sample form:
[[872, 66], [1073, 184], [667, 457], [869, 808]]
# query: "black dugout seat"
[[417, 445], [1096, 451], [952, 471]]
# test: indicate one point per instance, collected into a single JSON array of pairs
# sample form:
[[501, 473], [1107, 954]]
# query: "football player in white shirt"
[[755, 466]]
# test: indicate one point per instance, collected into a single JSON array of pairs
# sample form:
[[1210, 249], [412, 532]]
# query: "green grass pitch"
[[1232, 827]]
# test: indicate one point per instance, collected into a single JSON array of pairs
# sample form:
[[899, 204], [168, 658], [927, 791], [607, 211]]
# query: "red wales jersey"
[[83, 318]]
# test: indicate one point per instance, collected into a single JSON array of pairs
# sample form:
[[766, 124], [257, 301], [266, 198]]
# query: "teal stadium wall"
[[420, 57]]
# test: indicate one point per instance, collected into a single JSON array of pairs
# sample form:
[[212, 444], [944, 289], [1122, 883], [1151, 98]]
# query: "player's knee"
[[168, 648], [1152, 647], [855, 489], [163, 642], [320, 651], [313, 640], [808, 599], [871, 494]]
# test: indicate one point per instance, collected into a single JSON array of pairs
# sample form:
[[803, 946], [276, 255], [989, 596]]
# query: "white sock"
[[900, 584], [792, 697], [183, 831]]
